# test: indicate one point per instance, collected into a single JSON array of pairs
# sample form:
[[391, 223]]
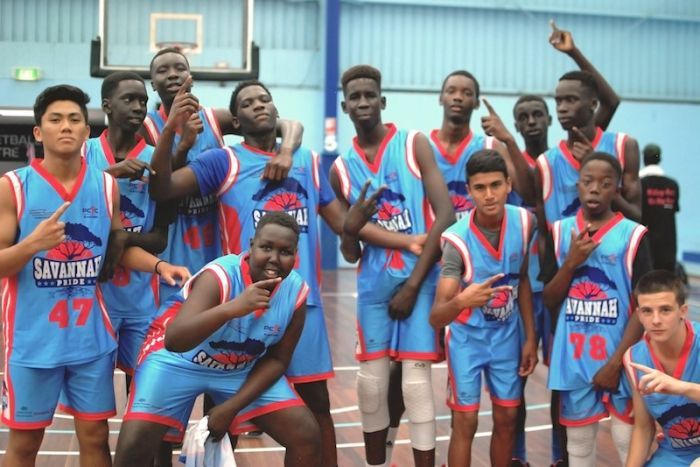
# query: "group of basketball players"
[[520, 234]]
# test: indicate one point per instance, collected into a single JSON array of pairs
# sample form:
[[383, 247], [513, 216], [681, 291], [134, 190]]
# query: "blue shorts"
[[30, 395], [666, 457], [311, 360], [493, 350], [131, 333], [165, 387], [584, 406], [412, 338]]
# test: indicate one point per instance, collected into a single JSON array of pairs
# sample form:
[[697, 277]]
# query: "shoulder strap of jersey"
[[545, 175], [16, 185], [411, 161], [214, 124], [232, 174], [461, 247], [633, 246], [620, 140], [343, 177], [109, 186], [151, 129]]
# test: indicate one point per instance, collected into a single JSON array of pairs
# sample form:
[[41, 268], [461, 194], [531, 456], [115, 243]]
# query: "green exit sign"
[[26, 73]]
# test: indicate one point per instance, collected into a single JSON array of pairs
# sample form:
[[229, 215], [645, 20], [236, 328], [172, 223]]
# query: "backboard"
[[215, 35]]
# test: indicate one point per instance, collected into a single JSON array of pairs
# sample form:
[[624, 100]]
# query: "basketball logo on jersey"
[[232, 355], [459, 195], [391, 214], [588, 300], [129, 212], [683, 424], [72, 262], [289, 196], [196, 205], [501, 306]]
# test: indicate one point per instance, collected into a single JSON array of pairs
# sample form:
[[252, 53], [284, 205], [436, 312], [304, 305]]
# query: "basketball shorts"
[[584, 406], [311, 360], [30, 395], [131, 333], [165, 387], [495, 351]]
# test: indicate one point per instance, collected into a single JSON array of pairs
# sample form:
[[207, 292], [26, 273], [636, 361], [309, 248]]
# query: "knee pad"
[[622, 436], [372, 392], [417, 391], [581, 442]]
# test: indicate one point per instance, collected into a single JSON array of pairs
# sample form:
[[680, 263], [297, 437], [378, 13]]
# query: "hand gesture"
[[582, 146], [402, 303], [608, 377], [257, 295], [493, 125], [561, 40], [115, 248], [132, 169], [362, 211], [479, 294], [417, 242], [193, 127], [528, 360], [657, 381], [184, 105], [220, 419], [278, 167], [50, 232], [172, 274], [582, 245]]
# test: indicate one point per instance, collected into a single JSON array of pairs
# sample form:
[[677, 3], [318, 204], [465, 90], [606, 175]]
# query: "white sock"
[[622, 436], [581, 444]]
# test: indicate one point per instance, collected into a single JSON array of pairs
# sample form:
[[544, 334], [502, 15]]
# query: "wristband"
[[155, 268]]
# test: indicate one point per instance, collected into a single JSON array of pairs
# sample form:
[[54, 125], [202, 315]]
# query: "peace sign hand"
[[479, 294], [362, 211], [50, 232]]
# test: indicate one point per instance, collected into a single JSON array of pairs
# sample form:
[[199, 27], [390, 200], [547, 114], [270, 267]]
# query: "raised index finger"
[[186, 86], [59, 212], [553, 25], [579, 134], [263, 284], [488, 106], [490, 281], [641, 367]]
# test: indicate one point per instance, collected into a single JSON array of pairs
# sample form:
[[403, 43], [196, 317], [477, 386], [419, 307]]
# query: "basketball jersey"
[[192, 238], [53, 310], [454, 167], [533, 267], [234, 175], [594, 315], [514, 197], [403, 205], [678, 416], [559, 171], [481, 261], [240, 342], [129, 294]]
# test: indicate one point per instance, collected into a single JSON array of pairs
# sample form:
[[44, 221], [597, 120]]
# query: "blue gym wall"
[[647, 49]]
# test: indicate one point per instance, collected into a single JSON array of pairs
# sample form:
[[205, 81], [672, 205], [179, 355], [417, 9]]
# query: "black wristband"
[[155, 268]]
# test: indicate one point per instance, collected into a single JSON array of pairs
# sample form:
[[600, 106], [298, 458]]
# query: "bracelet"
[[155, 268]]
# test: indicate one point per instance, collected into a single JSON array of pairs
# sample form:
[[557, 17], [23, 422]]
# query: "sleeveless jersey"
[[234, 175], [559, 171], [130, 294], [53, 310], [593, 316], [454, 167], [514, 197], [403, 205], [481, 261], [678, 416], [192, 238], [239, 343]]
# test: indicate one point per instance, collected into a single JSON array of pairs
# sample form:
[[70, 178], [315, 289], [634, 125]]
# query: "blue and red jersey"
[[192, 238], [403, 205], [238, 344], [233, 174], [559, 170], [482, 261], [454, 167], [595, 312], [128, 294], [53, 310], [678, 416]]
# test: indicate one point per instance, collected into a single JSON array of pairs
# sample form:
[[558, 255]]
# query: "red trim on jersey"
[[163, 115], [214, 124], [496, 253], [575, 163], [586, 421], [598, 237], [456, 155], [51, 180], [19, 203], [91, 416], [311, 378], [238, 427], [505, 402], [109, 154], [377, 162], [258, 150], [682, 359], [159, 419], [15, 425], [529, 159], [103, 311], [626, 416], [9, 307]]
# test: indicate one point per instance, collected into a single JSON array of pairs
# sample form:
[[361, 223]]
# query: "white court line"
[[339, 294], [482, 434]]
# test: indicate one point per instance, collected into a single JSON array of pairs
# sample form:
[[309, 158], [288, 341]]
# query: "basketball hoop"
[[185, 47]]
